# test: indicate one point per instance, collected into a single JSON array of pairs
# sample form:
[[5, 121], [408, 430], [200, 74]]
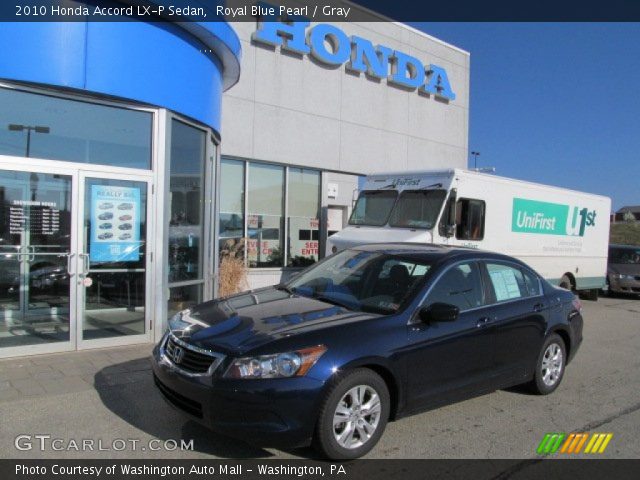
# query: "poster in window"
[[115, 224]]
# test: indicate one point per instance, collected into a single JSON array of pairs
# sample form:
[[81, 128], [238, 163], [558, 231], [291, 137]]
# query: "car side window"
[[460, 286], [532, 283], [508, 282], [470, 215]]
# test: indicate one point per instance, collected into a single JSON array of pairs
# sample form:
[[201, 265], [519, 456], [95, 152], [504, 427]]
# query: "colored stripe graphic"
[[573, 443], [550, 443], [598, 443]]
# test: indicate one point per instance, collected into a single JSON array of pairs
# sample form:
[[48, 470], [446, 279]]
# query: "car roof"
[[431, 252]]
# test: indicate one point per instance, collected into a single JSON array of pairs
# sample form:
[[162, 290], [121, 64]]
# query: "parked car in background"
[[623, 269], [367, 335]]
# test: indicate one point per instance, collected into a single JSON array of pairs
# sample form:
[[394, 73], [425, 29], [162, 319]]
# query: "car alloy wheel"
[[552, 364], [353, 415], [356, 417]]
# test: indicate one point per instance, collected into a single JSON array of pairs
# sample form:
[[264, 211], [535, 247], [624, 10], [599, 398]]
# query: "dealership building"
[[135, 156]]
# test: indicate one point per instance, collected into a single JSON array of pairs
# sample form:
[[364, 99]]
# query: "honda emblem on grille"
[[178, 354]]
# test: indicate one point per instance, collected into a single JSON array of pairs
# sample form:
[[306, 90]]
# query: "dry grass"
[[233, 272]]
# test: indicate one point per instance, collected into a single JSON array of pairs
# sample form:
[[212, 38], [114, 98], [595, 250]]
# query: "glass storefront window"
[[303, 222], [41, 126], [232, 208], [183, 297], [265, 215], [186, 199], [35, 244]]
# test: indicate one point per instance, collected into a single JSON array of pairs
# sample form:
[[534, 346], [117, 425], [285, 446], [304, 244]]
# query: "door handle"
[[85, 264], [538, 307], [69, 262], [482, 322]]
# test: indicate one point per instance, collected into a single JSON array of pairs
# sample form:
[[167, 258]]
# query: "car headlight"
[[278, 365], [620, 276]]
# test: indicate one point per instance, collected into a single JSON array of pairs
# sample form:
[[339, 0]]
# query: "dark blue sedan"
[[367, 335]]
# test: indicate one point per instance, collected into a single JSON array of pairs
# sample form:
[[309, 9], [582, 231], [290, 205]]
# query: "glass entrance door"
[[113, 261], [36, 238]]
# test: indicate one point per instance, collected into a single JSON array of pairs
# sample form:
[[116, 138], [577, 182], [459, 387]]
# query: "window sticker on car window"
[[505, 284]]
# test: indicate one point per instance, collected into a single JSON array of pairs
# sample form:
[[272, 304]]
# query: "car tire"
[[344, 440], [550, 365]]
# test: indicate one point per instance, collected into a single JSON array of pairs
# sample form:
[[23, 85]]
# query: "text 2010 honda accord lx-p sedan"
[[367, 335]]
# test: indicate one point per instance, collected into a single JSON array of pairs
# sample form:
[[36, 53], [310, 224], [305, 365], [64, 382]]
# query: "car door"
[[446, 359], [521, 314]]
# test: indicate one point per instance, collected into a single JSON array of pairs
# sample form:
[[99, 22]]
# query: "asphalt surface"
[[108, 394]]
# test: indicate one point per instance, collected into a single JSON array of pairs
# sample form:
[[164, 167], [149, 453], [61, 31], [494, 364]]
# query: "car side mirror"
[[439, 312]]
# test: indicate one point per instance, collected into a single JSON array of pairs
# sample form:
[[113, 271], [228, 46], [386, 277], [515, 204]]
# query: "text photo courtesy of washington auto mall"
[[350, 239]]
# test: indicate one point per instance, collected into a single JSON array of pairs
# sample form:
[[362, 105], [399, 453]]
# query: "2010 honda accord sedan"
[[366, 336]]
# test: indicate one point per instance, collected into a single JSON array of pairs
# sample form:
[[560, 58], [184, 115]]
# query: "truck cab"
[[402, 207]]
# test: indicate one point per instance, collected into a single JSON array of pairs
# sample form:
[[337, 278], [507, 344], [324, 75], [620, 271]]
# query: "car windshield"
[[417, 209], [629, 256], [372, 282], [373, 207]]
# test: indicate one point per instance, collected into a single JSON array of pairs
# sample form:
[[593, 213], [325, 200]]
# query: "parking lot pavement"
[[108, 395]]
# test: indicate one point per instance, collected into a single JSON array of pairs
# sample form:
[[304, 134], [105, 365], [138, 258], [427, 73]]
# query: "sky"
[[555, 103]]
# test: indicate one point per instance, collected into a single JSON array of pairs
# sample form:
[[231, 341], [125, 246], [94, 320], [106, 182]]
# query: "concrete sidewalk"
[[45, 375]]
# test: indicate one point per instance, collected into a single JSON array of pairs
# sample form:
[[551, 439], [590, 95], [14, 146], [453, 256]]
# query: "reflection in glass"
[[186, 226], [303, 223], [74, 131], [184, 297], [114, 305], [264, 223], [231, 208], [35, 215]]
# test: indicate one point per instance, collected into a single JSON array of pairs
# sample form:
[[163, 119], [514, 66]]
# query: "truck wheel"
[[565, 282], [353, 416]]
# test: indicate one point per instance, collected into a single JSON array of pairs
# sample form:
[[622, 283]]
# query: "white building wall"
[[292, 109]]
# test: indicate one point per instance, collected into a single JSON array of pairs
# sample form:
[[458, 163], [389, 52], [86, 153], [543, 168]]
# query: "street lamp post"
[[14, 127], [475, 159]]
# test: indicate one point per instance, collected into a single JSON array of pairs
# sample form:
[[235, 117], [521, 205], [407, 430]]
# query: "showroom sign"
[[115, 224], [331, 46]]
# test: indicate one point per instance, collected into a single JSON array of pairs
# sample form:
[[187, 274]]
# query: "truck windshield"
[[417, 209], [373, 207]]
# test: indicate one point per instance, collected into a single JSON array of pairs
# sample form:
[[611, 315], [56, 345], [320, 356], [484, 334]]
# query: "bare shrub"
[[233, 272]]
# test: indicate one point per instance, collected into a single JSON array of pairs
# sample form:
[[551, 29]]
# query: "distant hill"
[[625, 233]]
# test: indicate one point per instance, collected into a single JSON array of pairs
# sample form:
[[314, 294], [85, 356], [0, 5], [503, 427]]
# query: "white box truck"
[[563, 234]]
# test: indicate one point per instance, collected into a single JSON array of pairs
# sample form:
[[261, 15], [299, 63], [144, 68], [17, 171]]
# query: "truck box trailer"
[[561, 233]]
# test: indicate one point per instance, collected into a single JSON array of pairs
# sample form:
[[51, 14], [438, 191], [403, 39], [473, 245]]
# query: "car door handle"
[[482, 322], [538, 307]]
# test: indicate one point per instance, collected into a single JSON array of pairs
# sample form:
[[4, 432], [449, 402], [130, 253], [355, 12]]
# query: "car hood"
[[624, 268], [243, 322]]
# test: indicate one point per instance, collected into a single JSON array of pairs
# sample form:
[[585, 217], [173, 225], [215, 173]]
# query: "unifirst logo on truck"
[[532, 216]]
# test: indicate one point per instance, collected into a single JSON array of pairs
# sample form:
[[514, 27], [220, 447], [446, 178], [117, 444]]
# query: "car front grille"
[[188, 358], [180, 401]]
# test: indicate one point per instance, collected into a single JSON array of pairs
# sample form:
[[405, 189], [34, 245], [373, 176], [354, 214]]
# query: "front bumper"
[[626, 285], [270, 412]]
